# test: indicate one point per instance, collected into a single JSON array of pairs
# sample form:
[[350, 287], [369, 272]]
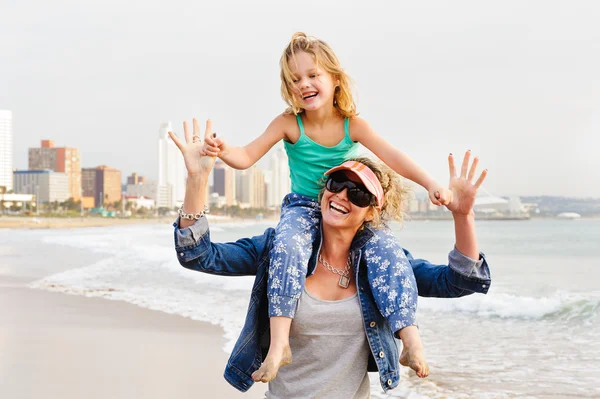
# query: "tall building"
[[103, 184], [171, 170], [46, 185], [43, 157], [242, 187], [147, 190], [280, 183], [69, 162], [62, 159], [258, 194], [138, 187], [88, 182], [6, 150], [135, 179], [224, 182], [250, 188]]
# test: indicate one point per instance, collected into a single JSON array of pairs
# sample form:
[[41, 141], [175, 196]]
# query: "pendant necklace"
[[344, 279]]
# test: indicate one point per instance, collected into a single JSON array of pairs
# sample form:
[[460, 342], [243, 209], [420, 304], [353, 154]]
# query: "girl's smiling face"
[[313, 86]]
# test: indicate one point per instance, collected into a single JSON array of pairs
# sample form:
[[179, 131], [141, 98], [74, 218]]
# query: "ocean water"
[[535, 335]]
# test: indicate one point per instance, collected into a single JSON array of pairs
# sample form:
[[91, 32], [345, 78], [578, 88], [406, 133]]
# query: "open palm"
[[192, 150], [463, 189]]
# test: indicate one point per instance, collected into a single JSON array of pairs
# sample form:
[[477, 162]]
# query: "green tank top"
[[309, 160]]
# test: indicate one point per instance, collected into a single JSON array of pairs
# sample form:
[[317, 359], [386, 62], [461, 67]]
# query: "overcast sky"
[[518, 82]]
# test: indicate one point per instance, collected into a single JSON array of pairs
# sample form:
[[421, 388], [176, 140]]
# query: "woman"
[[339, 334]]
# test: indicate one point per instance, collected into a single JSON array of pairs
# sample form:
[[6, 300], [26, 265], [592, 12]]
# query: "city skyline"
[[166, 146], [53, 171], [54, 174]]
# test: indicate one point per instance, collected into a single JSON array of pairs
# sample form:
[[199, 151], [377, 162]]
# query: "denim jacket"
[[250, 256]]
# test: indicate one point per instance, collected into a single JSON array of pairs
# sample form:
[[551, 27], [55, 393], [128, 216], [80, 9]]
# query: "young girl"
[[320, 130]]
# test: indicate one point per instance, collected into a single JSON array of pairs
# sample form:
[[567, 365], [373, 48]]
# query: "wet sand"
[[54, 345]]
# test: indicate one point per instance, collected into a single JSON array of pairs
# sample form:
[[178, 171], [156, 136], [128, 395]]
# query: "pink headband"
[[366, 175]]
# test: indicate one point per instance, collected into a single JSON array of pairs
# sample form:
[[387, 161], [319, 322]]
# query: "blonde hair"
[[324, 57], [394, 190]]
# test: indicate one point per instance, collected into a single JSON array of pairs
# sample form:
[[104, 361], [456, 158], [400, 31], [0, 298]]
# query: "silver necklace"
[[344, 279]]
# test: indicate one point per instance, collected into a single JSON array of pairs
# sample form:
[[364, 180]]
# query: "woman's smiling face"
[[339, 212]]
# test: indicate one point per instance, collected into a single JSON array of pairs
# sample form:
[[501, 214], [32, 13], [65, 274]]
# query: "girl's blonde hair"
[[394, 190], [324, 57]]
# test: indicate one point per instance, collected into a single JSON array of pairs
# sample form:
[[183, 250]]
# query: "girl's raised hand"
[[214, 146], [440, 195], [192, 150], [462, 186]]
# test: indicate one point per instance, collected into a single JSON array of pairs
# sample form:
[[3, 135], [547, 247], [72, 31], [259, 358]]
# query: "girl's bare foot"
[[415, 359], [276, 358]]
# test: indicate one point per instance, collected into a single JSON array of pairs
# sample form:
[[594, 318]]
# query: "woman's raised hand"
[[192, 150], [462, 186]]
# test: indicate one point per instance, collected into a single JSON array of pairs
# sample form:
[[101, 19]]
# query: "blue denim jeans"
[[389, 271], [291, 251]]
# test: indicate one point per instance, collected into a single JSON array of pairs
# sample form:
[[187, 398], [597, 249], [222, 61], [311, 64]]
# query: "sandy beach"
[[54, 345], [33, 222]]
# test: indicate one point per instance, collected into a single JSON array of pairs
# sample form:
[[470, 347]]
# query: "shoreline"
[[33, 222]]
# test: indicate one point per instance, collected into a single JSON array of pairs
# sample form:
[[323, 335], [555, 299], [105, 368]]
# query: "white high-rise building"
[[6, 150], [280, 178], [171, 170]]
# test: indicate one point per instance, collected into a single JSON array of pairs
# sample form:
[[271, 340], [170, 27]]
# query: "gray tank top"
[[330, 352]]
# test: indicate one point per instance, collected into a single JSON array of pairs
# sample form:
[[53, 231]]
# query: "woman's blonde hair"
[[324, 57], [394, 190]]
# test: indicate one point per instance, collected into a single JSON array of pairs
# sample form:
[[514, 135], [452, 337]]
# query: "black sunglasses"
[[357, 193]]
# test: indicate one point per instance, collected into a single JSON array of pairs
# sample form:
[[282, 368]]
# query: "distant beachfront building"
[[279, 182], [147, 189], [492, 205], [6, 150], [171, 170], [58, 159], [224, 182], [134, 178], [43, 157], [103, 184], [250, 188], [46, 185], [20, 201], [140, 201]]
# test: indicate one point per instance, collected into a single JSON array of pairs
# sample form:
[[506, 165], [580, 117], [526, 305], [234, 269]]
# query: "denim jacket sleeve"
[[462, 276], [196, 252]]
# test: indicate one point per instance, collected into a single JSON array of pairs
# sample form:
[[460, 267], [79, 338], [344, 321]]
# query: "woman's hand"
[[463, 188], [196, 162]]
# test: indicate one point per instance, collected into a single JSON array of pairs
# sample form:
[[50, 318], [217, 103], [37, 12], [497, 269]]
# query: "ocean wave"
[[560, 306]]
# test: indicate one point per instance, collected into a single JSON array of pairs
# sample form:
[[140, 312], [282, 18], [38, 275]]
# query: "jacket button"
[[181, 254], [372, 324], [381, 354], [389, 382], [483, 285]]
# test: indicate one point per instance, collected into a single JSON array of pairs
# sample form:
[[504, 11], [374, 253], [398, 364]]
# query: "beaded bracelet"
[[192, 216]]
